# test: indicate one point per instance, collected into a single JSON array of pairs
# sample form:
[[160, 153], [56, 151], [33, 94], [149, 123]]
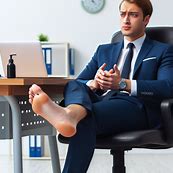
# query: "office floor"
[[135, 163]]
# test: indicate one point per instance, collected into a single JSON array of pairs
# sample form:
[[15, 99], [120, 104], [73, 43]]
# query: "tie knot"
[[130, 45]]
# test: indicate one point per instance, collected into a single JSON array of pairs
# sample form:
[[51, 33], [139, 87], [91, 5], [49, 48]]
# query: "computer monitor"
[[29, 59]]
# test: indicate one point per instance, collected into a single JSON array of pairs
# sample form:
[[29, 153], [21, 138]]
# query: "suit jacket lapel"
[[116, 53], [146, 47]]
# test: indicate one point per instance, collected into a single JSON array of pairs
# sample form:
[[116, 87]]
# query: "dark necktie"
[[127, 65]]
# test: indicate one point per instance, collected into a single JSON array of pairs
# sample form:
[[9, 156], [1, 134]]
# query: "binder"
[[39, 146], [32, 151], [47, 53], [71, 61]]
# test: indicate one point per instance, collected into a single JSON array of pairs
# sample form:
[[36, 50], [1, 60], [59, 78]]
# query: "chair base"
[[118, 161]]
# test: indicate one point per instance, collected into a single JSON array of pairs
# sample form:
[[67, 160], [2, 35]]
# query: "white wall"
[[65, 20]]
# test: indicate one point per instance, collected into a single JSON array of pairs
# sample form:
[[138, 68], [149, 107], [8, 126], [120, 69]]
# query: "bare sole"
[[53, 113]]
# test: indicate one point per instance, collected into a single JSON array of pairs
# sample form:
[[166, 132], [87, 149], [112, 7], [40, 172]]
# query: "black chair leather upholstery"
[[152, 139]]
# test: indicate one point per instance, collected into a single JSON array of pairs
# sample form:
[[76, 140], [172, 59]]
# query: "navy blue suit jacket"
[[153, 72]]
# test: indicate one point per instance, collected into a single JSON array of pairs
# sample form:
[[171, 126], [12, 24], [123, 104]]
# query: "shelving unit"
[[56, 58]]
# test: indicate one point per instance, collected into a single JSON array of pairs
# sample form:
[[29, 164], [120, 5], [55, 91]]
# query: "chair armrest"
[[167, 119]]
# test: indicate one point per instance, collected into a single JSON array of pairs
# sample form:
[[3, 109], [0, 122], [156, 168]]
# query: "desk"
[[9, 90]]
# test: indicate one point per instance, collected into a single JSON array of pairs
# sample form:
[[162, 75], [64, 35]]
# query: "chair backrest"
[[162, 34]]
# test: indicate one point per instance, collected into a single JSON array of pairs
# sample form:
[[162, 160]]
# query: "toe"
[[36, 89]]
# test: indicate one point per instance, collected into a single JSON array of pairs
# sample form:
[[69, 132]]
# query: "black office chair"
[[152, 139]]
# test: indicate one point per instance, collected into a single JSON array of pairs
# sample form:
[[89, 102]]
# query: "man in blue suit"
[[110, 96]]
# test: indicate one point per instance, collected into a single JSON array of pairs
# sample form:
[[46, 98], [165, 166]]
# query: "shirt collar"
[[138, 42]]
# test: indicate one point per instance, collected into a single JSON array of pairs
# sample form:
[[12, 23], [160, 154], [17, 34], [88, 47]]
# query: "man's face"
[[132, 21]]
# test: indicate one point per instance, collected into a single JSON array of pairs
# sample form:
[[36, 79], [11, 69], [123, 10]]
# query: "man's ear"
[[146, 20]]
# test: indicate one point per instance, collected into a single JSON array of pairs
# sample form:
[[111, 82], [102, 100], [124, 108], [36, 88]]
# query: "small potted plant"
[[43, 38]]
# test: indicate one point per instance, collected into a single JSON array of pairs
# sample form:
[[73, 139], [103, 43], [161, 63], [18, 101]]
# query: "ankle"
[[75, 111]]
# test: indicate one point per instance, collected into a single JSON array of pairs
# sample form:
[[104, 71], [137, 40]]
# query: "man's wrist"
[[125, 85], [92, 85], [89, 82]]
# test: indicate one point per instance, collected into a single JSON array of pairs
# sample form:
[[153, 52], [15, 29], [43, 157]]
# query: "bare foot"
[[56, 115]]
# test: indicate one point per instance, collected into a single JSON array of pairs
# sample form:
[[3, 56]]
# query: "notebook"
[[29, 59]]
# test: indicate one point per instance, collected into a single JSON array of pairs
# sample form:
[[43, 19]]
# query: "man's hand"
[[108, 79], [94, 84]]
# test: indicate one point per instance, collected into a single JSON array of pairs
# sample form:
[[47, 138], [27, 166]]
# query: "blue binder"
[[47, 53], [72, 61], [32, 150], [39, 146]]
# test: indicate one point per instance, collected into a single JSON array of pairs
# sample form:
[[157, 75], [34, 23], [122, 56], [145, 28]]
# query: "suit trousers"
[[107, 115]]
